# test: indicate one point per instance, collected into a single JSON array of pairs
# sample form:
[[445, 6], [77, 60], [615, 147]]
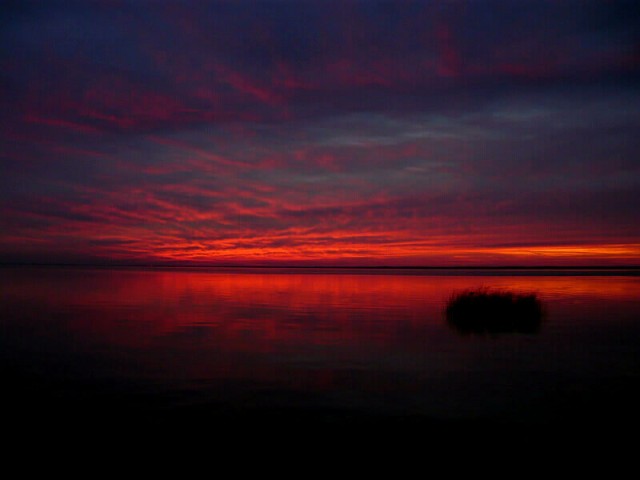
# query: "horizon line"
[[315, 266]]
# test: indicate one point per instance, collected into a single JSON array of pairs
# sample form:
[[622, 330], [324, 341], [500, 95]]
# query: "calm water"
[[102, 343]]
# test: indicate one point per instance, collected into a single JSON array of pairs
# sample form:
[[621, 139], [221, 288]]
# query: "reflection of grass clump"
[[485, 311]]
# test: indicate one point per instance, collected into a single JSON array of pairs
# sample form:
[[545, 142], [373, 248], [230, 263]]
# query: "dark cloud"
[[316, 129]]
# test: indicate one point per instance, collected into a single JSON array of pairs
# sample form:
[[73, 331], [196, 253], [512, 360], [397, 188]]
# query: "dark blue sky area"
[[405, 132]]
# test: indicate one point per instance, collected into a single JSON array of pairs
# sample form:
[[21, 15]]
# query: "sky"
[[431, 133]]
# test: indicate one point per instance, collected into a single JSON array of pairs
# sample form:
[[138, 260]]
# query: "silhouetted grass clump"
[[485, 311]]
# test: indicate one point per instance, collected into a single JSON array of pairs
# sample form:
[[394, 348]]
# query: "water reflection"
[[149, 339]]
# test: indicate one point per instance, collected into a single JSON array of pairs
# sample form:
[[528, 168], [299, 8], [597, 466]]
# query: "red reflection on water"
[[271, 306], [305, 330], [267, 327]]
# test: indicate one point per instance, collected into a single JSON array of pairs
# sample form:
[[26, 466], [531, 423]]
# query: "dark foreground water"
[[93, 348]]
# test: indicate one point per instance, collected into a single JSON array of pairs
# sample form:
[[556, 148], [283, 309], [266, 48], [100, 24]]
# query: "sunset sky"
[[320, 132]]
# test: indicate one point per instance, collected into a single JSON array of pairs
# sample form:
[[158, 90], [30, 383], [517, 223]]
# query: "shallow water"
[[321, 343]]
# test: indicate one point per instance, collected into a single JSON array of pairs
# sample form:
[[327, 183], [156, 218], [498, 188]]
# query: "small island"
[[485, 311]]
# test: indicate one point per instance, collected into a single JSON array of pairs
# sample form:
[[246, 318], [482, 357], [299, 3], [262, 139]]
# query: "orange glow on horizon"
[[400, 253]]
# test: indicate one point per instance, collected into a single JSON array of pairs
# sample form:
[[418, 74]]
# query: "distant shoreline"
[[394, 267], [579, 270]]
